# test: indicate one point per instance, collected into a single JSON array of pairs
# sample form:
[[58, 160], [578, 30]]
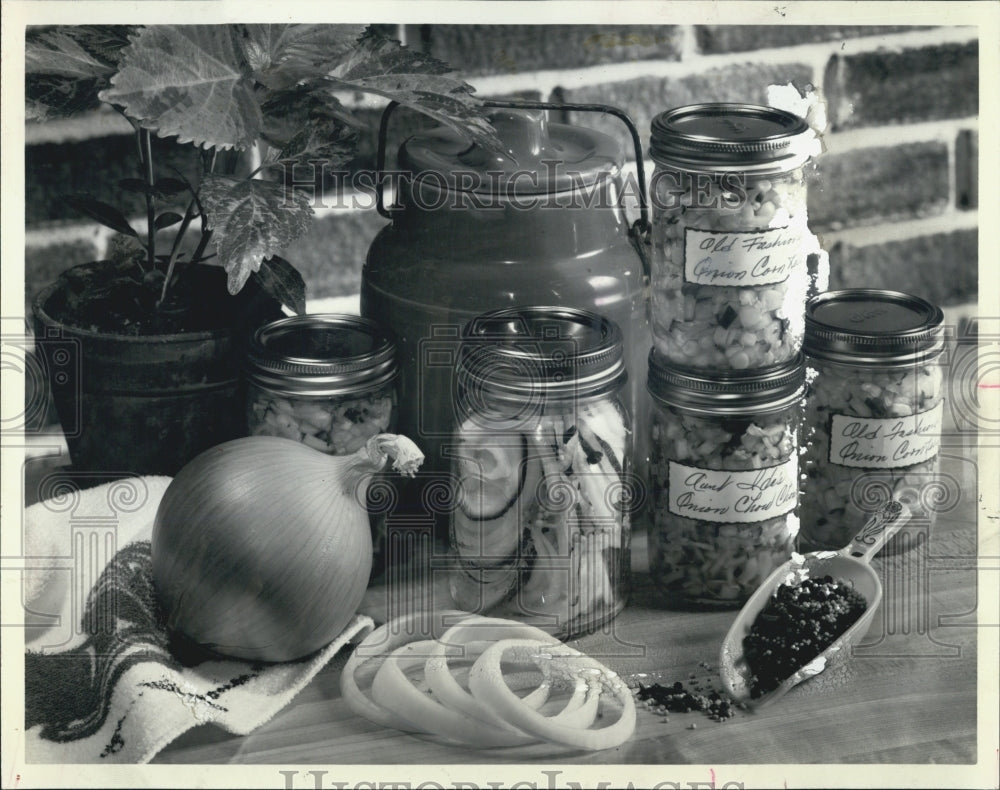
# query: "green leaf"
[[166, 219], [168, 187], [104, 42], [306, 123], [278, 278], [47, 96], [252, 220], [102, 212], [287, 111], [284, 55], [385, 67], [330, 143], [133, 185], [190, 81], [57, 52], [67, 66]]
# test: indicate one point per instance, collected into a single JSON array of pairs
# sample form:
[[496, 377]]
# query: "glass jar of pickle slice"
[[540, 525]]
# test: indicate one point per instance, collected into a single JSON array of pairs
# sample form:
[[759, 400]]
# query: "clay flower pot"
[[143, 404]]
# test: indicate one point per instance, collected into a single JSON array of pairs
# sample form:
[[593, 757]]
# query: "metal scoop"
[[850, 565]]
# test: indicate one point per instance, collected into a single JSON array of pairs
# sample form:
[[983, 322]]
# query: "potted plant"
[[142, 348]]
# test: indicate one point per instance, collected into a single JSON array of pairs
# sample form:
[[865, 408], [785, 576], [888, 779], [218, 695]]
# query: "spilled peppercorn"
[[678, 698]]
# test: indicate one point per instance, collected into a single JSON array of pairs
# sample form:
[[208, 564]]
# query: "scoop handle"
[[882, 525]]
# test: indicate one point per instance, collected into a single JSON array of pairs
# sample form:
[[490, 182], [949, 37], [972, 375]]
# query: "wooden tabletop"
[[908, 694]]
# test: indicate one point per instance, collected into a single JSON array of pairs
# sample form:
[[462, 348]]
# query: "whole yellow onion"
[[262, 546]]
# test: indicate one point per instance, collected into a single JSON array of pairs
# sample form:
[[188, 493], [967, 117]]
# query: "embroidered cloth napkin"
[[103, 681]]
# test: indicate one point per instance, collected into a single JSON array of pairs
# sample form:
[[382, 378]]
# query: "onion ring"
[[579, 711], [393, 689], [384, 639], [487, 685]]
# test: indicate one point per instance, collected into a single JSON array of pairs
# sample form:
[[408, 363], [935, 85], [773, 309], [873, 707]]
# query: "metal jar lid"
[[726, 137], [324, 354], [868, 326], [726, 392], [544, 157], [528, 355]]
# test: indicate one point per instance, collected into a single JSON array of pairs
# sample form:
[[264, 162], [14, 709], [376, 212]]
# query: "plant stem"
[[188, 216], [138, 145], [256, 162], [206, 233], [206, 237], [150, 204]]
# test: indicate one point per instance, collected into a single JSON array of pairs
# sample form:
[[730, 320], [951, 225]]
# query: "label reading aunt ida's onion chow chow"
[[733, 496]]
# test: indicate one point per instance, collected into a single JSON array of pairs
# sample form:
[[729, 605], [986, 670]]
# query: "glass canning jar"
[[873, 414], [325, 380], [733, 259], [724, 479], [540, 526]]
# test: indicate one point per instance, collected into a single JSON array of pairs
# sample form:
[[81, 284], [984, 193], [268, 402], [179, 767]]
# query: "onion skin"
[[262, 547]]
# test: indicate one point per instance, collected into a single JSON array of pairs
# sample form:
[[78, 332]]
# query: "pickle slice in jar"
[[491, 474]]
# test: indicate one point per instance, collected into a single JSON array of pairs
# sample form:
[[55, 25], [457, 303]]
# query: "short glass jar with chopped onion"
[[541, 525], [724, 479], [733, 258], [325, 380], [874, 414]]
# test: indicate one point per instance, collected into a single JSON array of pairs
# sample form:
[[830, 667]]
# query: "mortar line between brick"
[[944, 131], [903, 230], [90, 233], [688, 49]]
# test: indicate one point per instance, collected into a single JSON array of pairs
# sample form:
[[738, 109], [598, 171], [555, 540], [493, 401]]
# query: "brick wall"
[[894, 197]]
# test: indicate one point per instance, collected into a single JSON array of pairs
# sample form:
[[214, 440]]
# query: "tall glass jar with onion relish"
[[874, 411], [724, 479], [733, 258], [540, 525], [328, 381]]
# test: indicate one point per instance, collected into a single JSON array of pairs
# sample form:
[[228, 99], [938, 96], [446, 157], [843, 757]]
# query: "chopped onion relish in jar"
[[873, 414], [724, 479], [733, 259]]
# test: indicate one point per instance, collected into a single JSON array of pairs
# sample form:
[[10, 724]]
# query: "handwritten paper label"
[[743, 259], [732, 497], [885, 443]]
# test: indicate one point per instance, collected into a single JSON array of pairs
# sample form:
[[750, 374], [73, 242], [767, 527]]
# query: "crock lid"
[[726, 392], [727, 137], [543, 157], [322, 354], [527, 355], [873, 326]]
